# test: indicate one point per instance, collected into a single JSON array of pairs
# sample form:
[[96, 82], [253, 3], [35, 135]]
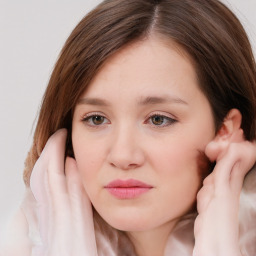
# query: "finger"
[[209, 180], [204, 197], [40, 189], [223, 169], [197, 226], [58, 192], [247, 158], [82, 215], [217, 148], [237, 161]]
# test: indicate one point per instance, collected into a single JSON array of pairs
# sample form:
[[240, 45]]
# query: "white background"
[[32, 34]]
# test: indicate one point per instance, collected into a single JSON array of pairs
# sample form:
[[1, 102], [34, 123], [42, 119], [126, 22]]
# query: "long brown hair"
[[207, 30]]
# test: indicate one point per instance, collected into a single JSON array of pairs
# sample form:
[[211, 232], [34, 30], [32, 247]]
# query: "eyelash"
[[168, 120], [88, 119]]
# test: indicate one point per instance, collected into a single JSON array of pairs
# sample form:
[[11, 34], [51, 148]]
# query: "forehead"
[[148, 66]]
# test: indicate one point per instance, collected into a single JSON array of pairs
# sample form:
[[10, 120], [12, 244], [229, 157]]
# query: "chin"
[[137, 223], [128, 222], [128, 226]]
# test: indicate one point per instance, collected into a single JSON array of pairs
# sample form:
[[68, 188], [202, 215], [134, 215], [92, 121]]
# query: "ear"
[[230, 125], [229, 132]]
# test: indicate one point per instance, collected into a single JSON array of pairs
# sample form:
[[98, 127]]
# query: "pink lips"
[[127, 189]]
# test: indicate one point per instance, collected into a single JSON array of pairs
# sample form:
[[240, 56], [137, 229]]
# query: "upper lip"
[[131, 183]]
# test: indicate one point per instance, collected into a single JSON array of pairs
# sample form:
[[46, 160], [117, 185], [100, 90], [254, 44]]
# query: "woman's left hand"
[[217, 225]]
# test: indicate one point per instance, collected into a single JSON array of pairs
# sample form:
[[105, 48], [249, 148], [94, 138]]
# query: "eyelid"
[[161, 113], [172, 119], [86, 117], [90, 114]]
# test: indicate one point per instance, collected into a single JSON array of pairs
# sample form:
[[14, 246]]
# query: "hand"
[[217, 225], [63, 208]]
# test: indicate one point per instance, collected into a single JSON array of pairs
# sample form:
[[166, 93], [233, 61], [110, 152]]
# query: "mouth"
[[127, 189]]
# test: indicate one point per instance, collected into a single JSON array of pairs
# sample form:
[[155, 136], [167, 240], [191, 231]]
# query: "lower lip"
[[127, 193]]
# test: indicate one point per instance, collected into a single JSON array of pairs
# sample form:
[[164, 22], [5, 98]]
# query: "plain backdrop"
[[32, 34]]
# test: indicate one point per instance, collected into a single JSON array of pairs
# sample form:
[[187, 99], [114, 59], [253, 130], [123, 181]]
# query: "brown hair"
[[207, 30]]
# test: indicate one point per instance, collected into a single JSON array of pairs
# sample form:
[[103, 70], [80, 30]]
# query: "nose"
[[125, 150]]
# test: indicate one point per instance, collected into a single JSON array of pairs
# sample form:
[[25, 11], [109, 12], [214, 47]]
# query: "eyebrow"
[[160, 100], [150, 100], [93, 101]]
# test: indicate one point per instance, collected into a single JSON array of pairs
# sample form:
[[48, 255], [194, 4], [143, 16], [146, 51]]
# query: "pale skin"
[[218, 199], [142, 118], [143, 81]]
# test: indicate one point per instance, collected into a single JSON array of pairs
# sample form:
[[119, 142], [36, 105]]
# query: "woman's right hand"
[[64, 210]]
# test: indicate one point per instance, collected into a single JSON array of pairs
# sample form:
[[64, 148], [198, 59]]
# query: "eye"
[[161, 120], [95, 120]]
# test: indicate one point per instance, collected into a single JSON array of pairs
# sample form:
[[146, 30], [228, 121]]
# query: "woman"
[[154, 96]]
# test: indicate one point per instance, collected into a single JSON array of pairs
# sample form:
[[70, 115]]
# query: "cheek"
[[174, 155], [176, 167], [89, 157], [187, 157], [179, 166]]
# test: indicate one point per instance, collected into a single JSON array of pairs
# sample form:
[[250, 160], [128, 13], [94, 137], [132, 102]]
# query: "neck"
[[152, 242]]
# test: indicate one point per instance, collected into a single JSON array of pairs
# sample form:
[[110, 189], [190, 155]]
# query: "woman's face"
[[137, 135]]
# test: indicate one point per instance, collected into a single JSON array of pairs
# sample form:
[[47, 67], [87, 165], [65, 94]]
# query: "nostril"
[[124, 167], [132, 166]]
